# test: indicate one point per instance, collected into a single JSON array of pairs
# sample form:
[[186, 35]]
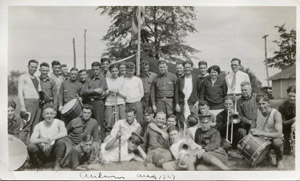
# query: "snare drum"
[[17, 153], [72, 109], [254, 148]]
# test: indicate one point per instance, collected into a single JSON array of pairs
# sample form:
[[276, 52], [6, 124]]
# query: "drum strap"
[[267, 119]]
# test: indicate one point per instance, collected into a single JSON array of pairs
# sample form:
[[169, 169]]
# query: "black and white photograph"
[[148, 91]]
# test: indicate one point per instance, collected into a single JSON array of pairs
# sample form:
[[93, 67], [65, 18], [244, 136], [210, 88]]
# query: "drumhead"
[[69, 106], [17, 153]]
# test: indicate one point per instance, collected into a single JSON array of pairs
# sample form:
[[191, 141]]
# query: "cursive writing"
[[99, 175], [156, 177]]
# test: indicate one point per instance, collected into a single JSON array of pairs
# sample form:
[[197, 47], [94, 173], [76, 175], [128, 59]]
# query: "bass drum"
[[72, 109], [17, 153], [254, 148]]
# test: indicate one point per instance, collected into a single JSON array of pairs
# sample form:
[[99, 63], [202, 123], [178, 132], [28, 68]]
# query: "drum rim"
[[76, 103]]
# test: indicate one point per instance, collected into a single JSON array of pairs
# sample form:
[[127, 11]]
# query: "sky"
[[46, 33]]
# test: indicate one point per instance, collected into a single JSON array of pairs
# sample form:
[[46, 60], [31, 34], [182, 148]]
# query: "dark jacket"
[[179, 95]]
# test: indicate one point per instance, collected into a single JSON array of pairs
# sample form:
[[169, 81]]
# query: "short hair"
[[246, 83], [262, 96], [87, 106], [96, 64], [192, 120], [74, 69], [130, 109], [55, 62], [172, 116], [292, 88], [162, 113], [148, 110], [179, 63], [48, 106], [122, 63], [161, 62], [64, 65], [136, 139], [87, 138], [188, 62], [202, 63], [81, 70], [44, 64], [236, 59], [229, 97], [203, 103], [144, 62], [130, 65], [113, 66], [33, 61], [102, 60], [215, 68], [12, 104], [172, 128]]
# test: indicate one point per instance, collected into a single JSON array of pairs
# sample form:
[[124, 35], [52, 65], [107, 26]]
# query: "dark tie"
[[233, 81]]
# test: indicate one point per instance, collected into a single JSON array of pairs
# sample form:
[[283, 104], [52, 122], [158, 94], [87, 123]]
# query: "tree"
[[13, 82], [255, 82], [163, 34], [286, 55]]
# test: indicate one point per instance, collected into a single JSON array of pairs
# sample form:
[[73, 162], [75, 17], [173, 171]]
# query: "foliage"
[[162, 36], [286, 55], [13, 82], [255, 82]]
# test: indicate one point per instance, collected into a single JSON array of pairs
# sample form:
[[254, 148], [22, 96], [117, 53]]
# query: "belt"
[[235, 94], [165, 97]]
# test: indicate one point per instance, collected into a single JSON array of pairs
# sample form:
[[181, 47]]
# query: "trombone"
[[232, 118]]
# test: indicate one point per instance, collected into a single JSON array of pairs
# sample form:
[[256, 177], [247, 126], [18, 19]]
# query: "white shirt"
[[133, 88], [113, 154], [240, 77], [125, 128], [118, 84]]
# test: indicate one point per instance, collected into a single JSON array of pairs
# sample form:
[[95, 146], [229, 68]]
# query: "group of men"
[[130, 117]]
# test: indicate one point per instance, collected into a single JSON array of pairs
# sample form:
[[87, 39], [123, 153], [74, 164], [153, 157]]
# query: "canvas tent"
[[282, 80]]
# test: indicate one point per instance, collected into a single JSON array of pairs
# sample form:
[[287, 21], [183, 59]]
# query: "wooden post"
[[85, 48], [138, 55], [74, 51], [266, 57]]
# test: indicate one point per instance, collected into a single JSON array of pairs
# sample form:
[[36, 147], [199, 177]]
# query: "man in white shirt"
[[134, 91], [235, 78], [28, 88]]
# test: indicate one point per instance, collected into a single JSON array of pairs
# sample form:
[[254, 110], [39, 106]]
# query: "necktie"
[[233, 84]]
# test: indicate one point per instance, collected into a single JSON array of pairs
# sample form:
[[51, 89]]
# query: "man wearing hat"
[[113, 151], [210, 140], [147, 78]]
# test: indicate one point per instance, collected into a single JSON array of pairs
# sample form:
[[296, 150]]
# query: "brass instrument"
[[184, 150], [232, 118], [235, 118], [227, 127]]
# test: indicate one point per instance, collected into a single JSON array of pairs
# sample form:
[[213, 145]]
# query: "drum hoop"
[[76, 103]]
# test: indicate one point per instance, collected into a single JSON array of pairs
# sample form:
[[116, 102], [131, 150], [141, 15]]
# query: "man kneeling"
[[81, 154], [45, 143], [114, 151]]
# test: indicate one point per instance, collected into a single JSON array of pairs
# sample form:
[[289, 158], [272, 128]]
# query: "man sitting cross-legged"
[[156, 146], [184, 150], [82, 154], [45, 142], [114, 151]]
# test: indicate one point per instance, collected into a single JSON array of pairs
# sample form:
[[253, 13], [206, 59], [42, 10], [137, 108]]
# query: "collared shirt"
[[48, 85], [163, 86], [126, 128], [247, 108], [58, 80], [154, 140], [133, 88], [240, 77], [147, 80], [209, 140], [68, 91], [78, 127], [96, 82], [14, 126], [201, 78]]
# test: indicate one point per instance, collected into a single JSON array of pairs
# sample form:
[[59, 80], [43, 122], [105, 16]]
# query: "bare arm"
[[35, 136], [113, 143], [277, 125], [62, 131], [20, 92]]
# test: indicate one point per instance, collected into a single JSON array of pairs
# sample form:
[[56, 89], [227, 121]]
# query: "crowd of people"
[[174, 121]]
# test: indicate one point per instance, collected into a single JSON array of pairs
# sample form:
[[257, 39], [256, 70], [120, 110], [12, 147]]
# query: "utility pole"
[[85, 49], [266, 57], [74, 51]]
